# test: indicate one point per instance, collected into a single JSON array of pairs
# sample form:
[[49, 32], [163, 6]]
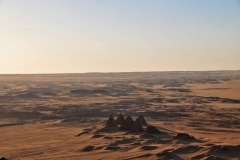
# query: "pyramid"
[[120, 119], [152, 129], [142, 120], [111, 122], [127, 125], [137, 127]]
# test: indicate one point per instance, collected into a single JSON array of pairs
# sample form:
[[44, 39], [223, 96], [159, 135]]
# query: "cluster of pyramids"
[[128, 124]]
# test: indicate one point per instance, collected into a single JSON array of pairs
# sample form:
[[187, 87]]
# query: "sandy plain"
[[59, 116]]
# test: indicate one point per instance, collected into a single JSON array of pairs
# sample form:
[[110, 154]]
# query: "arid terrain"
[[62, 116]]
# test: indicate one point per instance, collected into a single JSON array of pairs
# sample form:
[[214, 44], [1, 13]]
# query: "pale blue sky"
[[72, 36]]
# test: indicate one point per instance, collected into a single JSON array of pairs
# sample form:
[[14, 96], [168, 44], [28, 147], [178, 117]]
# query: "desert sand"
[[188, 115]]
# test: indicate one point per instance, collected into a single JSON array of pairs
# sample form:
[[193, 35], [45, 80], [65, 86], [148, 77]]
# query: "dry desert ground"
[[189, 115]]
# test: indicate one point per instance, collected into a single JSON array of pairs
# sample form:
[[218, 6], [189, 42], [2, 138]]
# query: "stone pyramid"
[[137, 127], [152, 129], [111, 122], [142, 120], [120, 119], [128, 124]]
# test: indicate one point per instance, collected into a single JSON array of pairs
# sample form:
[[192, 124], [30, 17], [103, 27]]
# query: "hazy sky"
[[71, 36]]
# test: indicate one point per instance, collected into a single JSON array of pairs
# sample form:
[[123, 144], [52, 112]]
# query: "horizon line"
[[115, 72]]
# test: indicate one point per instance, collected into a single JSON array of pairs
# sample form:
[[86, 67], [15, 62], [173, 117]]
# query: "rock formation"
[[184, 136]]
